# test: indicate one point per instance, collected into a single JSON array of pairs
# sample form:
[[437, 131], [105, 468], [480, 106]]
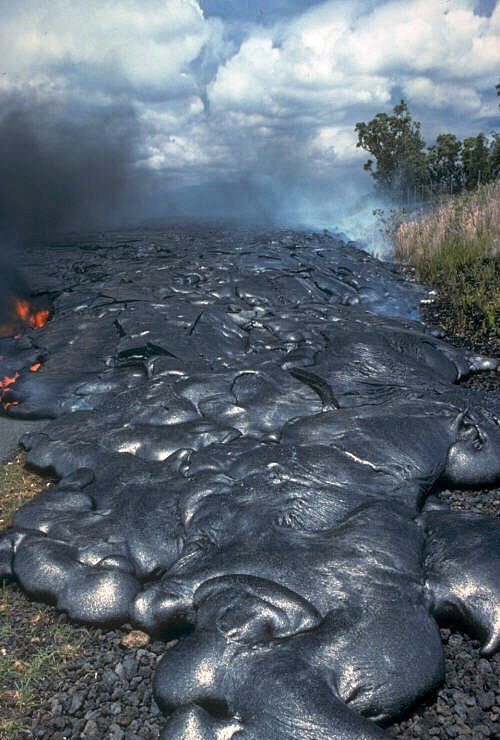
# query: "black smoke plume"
[[63, 169]]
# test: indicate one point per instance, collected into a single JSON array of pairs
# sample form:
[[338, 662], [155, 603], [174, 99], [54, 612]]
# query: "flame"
[[35, 318], [23, 315], [5, 384]]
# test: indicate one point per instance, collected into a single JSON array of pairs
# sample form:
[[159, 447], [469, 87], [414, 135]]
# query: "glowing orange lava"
[[23, 314], [35, 318], [5, 384]]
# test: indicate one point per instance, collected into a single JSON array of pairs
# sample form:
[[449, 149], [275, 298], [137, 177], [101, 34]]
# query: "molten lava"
[[22, 315], [29, 315], [5, 384]]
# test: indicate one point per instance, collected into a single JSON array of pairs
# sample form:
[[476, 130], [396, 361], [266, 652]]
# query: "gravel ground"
[[81, 682], [468, 705], [59, 681]]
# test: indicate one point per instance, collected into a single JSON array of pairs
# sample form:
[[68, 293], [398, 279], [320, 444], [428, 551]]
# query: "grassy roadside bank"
[[455, 248]]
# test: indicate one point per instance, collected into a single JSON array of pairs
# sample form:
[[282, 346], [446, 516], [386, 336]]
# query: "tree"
[[494, 157], [475, 161], [397, 145], [444, 164]]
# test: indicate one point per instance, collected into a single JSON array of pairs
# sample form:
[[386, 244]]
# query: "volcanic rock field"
[[250, 434]]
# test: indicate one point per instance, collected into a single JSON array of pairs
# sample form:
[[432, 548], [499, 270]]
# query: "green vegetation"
[[408, 171], [455, 247], [34, 647], [398, 147], [25, 675], [451, 235]]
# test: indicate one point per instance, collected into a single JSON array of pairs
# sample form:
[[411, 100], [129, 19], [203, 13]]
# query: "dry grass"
[[456, 248], [473, 218]]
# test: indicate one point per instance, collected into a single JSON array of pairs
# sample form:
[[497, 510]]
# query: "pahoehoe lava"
[[250, 432]]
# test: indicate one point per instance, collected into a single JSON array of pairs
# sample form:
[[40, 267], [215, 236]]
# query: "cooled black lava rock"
[[247, 433]]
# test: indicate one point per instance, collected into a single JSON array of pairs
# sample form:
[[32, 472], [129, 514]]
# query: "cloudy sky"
[[249, 105]]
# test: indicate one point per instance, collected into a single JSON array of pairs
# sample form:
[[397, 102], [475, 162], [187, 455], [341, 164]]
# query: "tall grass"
[[455, 247]]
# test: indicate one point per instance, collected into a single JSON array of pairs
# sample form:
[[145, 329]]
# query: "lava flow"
[[28, 315], [5, 384], [22, 315]]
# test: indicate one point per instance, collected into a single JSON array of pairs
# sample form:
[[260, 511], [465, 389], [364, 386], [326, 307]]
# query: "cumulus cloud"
[[443, 37], [335, 58], [257, 97], [104, 46], [426, 92]]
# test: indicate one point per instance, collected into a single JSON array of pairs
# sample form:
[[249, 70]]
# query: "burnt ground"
[[64, 681]]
